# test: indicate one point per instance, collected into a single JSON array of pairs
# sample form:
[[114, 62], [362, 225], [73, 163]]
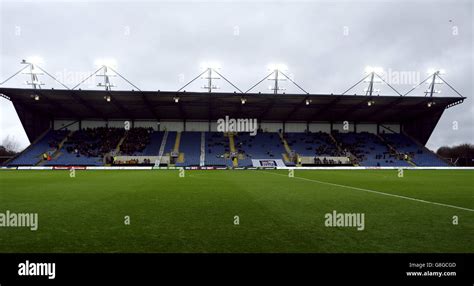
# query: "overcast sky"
[[326, 46]]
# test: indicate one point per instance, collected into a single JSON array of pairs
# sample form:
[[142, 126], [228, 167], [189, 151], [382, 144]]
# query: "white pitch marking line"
[[375, 192]]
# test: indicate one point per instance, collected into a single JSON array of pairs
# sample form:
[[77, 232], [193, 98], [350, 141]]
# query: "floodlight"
[[176, 99], [35, 97], [106, 63], [243, 100], [308, 101], [370, 69], [107, 98], [279, 67], [370, 103]]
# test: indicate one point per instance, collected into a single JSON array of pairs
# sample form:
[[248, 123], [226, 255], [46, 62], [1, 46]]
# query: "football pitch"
[[239, 211]]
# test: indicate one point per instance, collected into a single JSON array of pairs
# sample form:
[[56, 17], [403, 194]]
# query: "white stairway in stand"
[[203, 149], [162, 149]]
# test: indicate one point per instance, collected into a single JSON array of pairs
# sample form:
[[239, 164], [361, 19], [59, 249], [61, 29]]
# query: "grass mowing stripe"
[[374, 192]]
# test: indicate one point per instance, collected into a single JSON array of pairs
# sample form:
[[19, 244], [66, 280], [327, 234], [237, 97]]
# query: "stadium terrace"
[[80, 128]]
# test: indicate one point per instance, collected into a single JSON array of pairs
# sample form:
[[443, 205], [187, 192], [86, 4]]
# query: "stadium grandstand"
[[74, 127]]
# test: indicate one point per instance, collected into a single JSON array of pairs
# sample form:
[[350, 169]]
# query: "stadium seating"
[[33, 154], [369, 149], [72, 159], [153, 147], [94, 142], [419, 154], [191, 147], [170, 140], [136, 141], [147, 143], [311, 144], [88, 147], [216, 147], [261, 146]]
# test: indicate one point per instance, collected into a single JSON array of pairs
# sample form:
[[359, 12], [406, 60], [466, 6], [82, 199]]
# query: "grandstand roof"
[[160, 105], [87, 104]]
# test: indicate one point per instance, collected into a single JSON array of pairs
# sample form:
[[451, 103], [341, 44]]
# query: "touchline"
[[11, 219]]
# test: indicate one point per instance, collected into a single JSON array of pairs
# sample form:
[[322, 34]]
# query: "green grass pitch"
[[276, 213]]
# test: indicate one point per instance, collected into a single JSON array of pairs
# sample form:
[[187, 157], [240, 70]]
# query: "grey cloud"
[[168, 39]]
